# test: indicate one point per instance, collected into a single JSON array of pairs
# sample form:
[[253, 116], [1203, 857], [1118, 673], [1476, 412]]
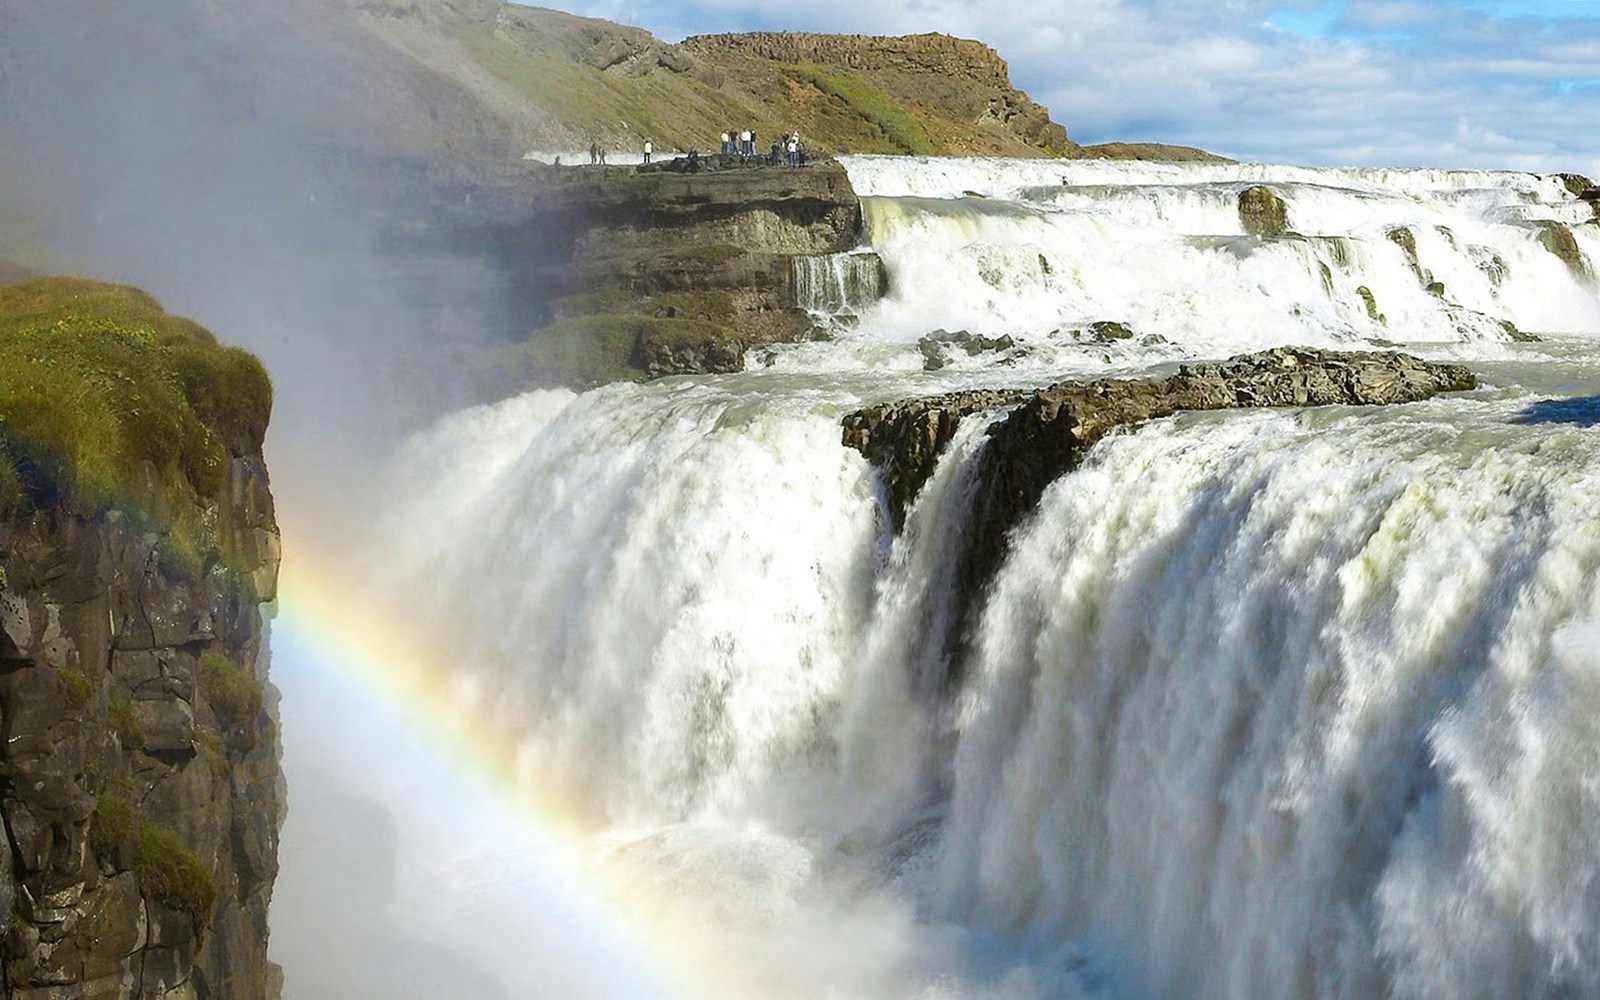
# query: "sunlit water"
[[1261, 704]]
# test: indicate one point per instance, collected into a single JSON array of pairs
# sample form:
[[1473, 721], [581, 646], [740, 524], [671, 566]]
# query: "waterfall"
[[1266, 704], [837, 285], [1430, 257]]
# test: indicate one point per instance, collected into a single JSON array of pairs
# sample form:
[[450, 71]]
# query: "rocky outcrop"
[[940, 347], [1262, 212], [1049, 431], [904, 439], [1558, 239], [641, 273]]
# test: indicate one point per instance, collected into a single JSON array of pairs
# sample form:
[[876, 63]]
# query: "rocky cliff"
[[634, 273], [1048, 432], [139, 768]]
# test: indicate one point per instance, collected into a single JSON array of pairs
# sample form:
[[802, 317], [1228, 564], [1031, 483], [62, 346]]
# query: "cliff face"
[[643, 273], [139, 765]]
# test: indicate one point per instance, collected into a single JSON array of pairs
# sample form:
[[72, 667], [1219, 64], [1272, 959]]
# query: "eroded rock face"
[[140, 761], [714, 248], [1049, 431]]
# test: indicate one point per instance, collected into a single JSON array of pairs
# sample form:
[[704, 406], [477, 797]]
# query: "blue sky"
[[1463, 83]]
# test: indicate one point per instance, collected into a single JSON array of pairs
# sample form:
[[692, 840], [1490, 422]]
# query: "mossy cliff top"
[[106, 400]]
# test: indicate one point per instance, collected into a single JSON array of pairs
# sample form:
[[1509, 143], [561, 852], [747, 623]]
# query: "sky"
[[1509, 84]]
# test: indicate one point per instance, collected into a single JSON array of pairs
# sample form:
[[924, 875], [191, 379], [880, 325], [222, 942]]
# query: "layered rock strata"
[[673, 271], [1049, 431]]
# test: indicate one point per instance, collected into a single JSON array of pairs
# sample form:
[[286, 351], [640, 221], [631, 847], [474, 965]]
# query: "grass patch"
[[234, 694], [125, 723], [214, 750], [173, 874], [77, 687], [112, 825], [898, 130], [708, 253], [108, 401]]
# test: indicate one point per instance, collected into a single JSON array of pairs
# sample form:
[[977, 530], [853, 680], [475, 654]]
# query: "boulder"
[[939, 346], [1262, 212]]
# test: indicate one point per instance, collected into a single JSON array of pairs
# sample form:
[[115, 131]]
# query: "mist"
[[274, 173]]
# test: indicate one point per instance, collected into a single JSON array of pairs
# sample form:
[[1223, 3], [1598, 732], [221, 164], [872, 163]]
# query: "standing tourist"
[[648, 149]]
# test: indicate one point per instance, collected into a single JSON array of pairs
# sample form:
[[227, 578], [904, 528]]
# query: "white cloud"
[[1382, 82]]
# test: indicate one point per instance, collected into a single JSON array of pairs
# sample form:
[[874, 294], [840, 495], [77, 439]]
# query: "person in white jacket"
[[648, 149]]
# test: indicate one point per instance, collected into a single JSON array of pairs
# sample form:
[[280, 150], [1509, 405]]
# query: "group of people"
[[597, 152], [742, 143]]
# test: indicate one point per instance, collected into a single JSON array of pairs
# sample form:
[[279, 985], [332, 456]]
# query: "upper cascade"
[[1074, 265]]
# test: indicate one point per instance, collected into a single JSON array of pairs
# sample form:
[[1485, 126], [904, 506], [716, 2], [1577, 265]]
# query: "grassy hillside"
[[560, 81], [107, 401]]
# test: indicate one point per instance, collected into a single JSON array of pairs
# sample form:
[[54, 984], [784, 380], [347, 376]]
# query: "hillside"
[[559, 81], [425, 77]]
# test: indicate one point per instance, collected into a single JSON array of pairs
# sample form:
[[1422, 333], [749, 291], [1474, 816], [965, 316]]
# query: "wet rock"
[[939, 346], [1105, 331], [904, 439], [1516, 335], [1262, 212], [1558, 239], [1371, 303]]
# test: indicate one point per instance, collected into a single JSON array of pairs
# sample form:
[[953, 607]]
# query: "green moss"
[[77, 688], [125, 723], [234, 694], [108, 401], [112, 825], [173, 874], [187, 547], [213, 749], [709, 253], [894, 125]]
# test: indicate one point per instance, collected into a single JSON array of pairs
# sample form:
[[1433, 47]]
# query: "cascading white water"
[[838, 285], [1038, 251], [1264, 704]]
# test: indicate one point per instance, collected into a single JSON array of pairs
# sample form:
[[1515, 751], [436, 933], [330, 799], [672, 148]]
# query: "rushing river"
[[1260, 704]]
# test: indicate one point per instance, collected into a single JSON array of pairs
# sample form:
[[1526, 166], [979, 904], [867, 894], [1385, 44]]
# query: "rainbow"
[[327, 647]]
